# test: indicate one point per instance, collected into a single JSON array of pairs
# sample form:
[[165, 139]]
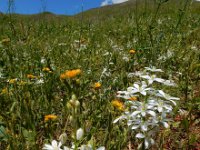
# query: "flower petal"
[[101, 148], [140, 136], [165, 124]]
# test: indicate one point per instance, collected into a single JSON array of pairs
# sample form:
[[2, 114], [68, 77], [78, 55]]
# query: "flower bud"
[[74, 97], [71, 118], [77, 103], [79, 133]]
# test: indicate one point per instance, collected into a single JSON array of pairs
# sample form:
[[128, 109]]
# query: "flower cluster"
[[74, 146], [151, 107]]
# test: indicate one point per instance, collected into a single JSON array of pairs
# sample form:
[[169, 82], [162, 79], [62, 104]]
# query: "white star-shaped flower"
[[167, 96], [142, 89], [54, 146], [152, 78], [153, 69]]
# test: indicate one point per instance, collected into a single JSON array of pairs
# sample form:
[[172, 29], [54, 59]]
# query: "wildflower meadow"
[[120, 77]]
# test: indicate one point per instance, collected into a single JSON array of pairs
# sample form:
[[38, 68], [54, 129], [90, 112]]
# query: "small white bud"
[[79, 133]]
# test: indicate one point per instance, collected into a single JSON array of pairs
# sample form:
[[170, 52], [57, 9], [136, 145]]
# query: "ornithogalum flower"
[[169, 83], [167, 96], [153, 69], [53, 146], [142, 88], [152, 78], [152, 108]]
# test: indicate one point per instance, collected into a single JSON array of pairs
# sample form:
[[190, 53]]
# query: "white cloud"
[[118, 1], [104, 3], [108, 2]]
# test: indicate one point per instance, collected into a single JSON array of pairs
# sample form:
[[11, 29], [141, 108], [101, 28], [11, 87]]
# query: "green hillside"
[[61, 75]]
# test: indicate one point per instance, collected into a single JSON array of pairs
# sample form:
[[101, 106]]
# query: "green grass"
[[93, 41]]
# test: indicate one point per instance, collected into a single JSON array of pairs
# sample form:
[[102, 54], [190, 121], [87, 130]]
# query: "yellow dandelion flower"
[[97, 85], [30, 76], [63, 76], [132, 51], [46, 69], [12, 81], [118, 104], [50, 117], [70, 74], [133, 98]]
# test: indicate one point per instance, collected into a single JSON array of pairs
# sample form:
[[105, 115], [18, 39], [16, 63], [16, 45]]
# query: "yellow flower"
[[50, 117], [70, 74], [133, 98], [118, 104], [46, 69], [12, 81], [132, 51], [30, 76], [4, 91], [97, 85]]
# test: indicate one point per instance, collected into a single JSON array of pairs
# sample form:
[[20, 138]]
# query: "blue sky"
[[67, 7]]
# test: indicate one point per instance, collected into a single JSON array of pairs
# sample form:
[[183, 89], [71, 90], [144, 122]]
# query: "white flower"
[[141, 108], [167, 96], [101, 148], [148, 141], [169, 83], [79, 133], [72, 147], [125, 58], [153, 69], [126, 94], [162, 119], [40, 81], [85, 147], [160, 105], [137, 73], [54, 146], [43, 60], [152, 78], [139, 89], [105, 73], [67, 148], [140, 136], [138, 122]]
